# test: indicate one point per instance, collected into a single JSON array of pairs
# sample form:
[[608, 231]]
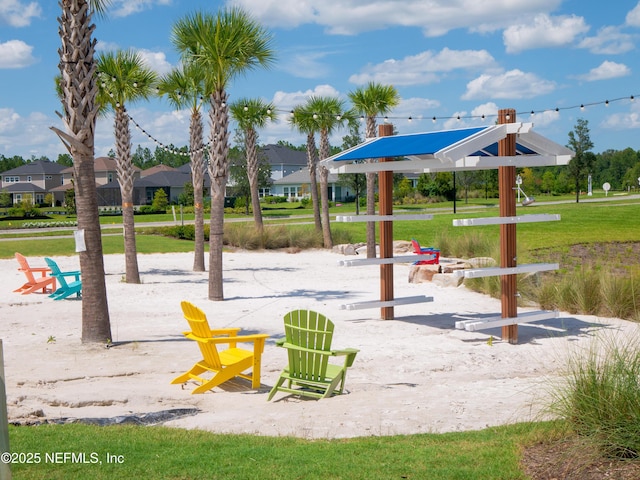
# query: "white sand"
[[414, 374]]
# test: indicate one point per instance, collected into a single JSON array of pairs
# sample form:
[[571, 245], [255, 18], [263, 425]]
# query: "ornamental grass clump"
[[600, 399]]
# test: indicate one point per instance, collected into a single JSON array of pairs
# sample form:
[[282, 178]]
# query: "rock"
[[447, 280], [452, 267], [482, 262], [422, 273]]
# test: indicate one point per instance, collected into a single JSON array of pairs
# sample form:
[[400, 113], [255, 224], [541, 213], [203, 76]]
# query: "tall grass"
[[601, 397]]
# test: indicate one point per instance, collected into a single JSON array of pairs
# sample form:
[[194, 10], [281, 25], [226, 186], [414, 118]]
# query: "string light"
[[386, 118]]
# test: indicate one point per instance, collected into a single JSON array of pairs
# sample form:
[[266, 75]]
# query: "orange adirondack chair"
[[35, 283], [224, 364]]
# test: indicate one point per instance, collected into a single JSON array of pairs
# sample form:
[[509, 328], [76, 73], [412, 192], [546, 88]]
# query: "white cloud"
[[605, 71], [508, 85], [545, 31], [124, 8], [633, 17], [18, 14], [423, 69], [289, 100], [436, 17], [609, 41], [16, 54], [157, 61]]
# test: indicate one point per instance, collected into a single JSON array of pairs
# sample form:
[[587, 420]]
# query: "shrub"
[[601, 397]]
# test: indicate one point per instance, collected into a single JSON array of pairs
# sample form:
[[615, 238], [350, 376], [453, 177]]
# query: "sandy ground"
[[414, 374]]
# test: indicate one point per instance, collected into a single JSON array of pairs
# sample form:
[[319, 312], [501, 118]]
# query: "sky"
[[455, 60]]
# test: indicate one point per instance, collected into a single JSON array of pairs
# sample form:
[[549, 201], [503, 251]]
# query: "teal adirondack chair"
[[66, 288], [308, 337]]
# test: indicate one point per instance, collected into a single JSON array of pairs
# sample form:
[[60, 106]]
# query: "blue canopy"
[[448, 150]]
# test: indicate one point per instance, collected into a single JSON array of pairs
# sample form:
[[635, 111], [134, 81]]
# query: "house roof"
[[450, 150], [39, 167], [157, 168], [282, 155], [101, 164], [23, 187]]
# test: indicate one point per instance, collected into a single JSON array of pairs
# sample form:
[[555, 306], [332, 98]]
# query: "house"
[[283, 160], [32, 181], [297, 186]]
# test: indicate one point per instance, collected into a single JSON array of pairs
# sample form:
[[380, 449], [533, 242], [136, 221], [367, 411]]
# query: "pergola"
[[503, 146]]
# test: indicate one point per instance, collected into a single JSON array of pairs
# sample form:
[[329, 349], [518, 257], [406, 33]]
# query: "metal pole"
[[506, 184], [385, 188]]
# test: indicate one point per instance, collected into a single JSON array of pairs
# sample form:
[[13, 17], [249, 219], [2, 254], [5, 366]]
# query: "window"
[[11, 179], [29, 179]]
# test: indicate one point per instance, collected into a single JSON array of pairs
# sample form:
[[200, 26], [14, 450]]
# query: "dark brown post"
[[506, 185], [385, 194]]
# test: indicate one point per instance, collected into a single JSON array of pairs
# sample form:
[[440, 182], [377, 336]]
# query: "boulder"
[[422, 273], [447, 280]]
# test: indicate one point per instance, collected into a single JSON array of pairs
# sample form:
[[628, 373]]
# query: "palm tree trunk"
[[218, 171], [325, 150], [197, 174], [312, 162], [78, 69], [371, 196], [252, 174], [124, 168]]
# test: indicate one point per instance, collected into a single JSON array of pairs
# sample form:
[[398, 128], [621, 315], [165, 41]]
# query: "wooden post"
[[506, 186], [385, 194]]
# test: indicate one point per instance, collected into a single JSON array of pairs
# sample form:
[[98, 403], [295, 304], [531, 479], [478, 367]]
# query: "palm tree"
[[303, 120], [184, 87], [224, 46], [373, 100], [79, 113], [328, 115], [125, 79], [251, 114]]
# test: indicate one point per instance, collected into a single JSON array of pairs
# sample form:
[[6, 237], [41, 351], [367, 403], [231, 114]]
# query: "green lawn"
[[167, 453]]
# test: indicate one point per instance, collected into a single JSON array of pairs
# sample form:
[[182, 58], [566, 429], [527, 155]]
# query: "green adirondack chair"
[[308, 337], [67, 287]]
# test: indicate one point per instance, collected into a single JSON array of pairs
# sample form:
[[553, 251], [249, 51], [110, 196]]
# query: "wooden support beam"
[[506, 186], [357, 262], [472, 325], [385, 191]]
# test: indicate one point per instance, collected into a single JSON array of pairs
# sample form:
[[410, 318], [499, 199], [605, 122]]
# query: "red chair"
[[434, 253]]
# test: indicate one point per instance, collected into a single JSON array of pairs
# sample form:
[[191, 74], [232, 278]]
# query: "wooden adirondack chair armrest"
[[42, 270], [350, 354], [257, 339], [75, 273]]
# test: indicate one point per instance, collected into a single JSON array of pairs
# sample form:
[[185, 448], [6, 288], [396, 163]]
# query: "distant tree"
[[355, 182], [160, 201], [5, 198], [583, 162], [65, 159], [548, 179]]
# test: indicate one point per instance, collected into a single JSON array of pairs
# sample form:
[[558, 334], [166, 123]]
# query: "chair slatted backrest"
[[56, 272], [24, 267], [200, 328], [311, 330]]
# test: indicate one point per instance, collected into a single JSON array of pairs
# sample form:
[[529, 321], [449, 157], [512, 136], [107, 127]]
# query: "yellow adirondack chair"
[[35, 283], [223, 364], [308, 337]]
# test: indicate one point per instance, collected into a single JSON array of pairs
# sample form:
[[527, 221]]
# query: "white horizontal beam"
[[496, 271], [383, 218], [387, 303], [472, 222], [491, 322], [429, 164], [358, 262]]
